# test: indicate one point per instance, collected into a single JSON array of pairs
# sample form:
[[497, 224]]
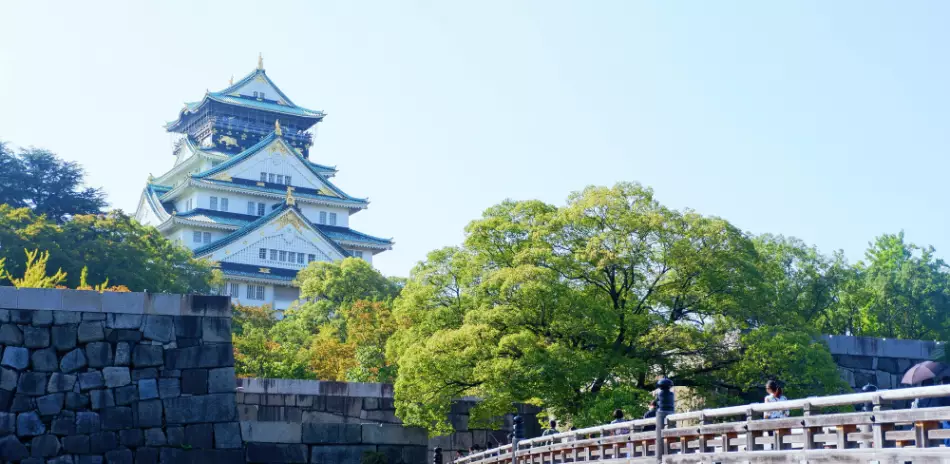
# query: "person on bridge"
[[618, 418], [775, 393], [650, 414], [552, 429]]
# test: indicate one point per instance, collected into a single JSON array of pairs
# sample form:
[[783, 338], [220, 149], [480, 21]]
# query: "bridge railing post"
[[879, 430]]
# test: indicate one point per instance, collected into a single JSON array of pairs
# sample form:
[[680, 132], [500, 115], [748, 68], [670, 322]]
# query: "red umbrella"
[[923, 371]]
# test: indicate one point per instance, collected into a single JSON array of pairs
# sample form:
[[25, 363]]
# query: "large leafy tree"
[[111, 246], [40, 180], [579, 308]]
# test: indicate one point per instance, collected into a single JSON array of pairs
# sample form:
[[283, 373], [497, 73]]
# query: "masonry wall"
[[116, 377], [878, 361], [336, 422]]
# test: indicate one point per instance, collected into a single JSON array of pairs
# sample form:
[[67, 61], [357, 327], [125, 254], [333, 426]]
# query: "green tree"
[[40, 180], [575, 307], [35, 275], [112, 247]]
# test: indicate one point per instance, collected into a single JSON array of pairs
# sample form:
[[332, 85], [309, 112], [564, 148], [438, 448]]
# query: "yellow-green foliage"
[[35, 274]]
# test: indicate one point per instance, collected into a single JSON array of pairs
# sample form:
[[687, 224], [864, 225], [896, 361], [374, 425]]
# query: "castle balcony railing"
[[817, 431]]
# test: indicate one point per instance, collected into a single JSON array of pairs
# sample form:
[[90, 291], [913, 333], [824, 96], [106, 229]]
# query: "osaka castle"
[[245, 194]]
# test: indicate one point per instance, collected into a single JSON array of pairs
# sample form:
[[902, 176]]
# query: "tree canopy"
[[111, 247], [38, 179]]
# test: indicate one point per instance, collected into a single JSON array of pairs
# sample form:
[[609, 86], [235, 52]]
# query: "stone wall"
[[878, 361], [336, 422], [116, 377]]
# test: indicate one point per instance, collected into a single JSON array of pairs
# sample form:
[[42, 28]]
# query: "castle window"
[[273, 255], [251, 208], [255, 292], [323, 217], [311, 258], [270, 178], [299, 258], [280, 179], [332, 219], [287, 180], [291, 257], [235, 289], [214, 203], [260, 292], [262, 253], [196, 237], [260, 209], [263, 177], [224, 204], [207, 237], [283, 256], [357, 254]]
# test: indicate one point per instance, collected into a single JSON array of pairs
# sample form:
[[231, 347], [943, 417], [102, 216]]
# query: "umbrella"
[[923, 371]]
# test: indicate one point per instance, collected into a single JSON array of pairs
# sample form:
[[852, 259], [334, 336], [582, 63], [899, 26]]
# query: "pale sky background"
[[825, 120]]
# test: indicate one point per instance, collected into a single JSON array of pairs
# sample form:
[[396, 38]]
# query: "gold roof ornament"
[[277, 127], [260, 61], [150, 177], [231, 80], [290, 196]]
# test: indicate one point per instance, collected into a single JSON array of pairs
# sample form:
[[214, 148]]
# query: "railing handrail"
[[753, 411]]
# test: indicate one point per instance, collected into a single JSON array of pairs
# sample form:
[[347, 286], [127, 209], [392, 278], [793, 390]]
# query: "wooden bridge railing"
[[741, 434]]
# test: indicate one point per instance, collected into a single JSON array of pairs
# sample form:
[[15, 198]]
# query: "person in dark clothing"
[[618, 418], [650, 414]]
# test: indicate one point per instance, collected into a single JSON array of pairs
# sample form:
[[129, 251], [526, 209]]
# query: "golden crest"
[[223, 177], [244, 136], [260, 184], [264, 270], [228, 141], [291, 220]]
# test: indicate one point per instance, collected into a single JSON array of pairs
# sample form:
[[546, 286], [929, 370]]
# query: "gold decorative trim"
[[264, 270]]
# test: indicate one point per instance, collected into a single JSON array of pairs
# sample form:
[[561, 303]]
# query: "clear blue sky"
[[823, 120]]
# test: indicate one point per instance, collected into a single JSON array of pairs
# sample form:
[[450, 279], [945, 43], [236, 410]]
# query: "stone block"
[[123, 354], [116, 376], [341, 454], [90, 332], [216, 330], [116, 418], [91, 380], [199, 436], [64, 424], [248, 412], [39, 298], [164, 304], [4, 313], [169, 388], [279, 414], [323, 417], [271, 432], [21, 317], [187, 327], [12, 450], [99, 354], [36, 337], [159, 328], [82, 300], [102, 442], [64, 336], [7, 423], [148, 413], [45, 360], [42, 318], [331, 434], [155, 437], [93, 317], [227, 435], [370, 403], [144, 373], [126, 303], [44, 446], [22, 403], [276, 453], [194, 381], [101, 399], [10, 335], [15, 357], [125, 335], [126, 395], [59, 382], [353, 407], [305, 401], [76, 444], [218, 355], [50, 405], [124, 321], [29, 424], [8, 379], [386, 434], [388, 416], [221, 380], [76, 401], [131, 437], [219, 407], [6, 397], [87, 422], [32, 383], [147, 355], [73, 361], [90, 459], [169, 373], [148, 389], [176, 435], [206, 305], [119, 456], [66, 317], [8, 298]]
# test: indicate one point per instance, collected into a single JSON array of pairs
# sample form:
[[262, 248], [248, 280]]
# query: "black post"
[[516, 436], [665, 405], [437, 456]]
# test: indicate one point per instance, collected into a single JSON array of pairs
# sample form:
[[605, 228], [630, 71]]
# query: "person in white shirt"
[[775, 393]]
